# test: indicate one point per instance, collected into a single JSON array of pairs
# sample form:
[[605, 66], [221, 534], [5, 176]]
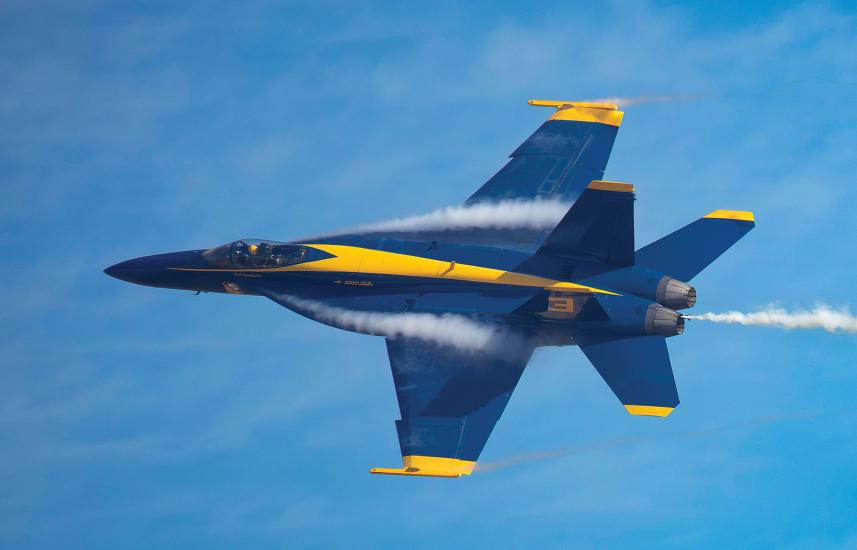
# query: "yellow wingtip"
[[741, 215], [562, 104], [411, 472], [430, 466], [582, 111]]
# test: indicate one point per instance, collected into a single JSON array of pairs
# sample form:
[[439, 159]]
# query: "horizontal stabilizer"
[[683, 254], [637, 369]]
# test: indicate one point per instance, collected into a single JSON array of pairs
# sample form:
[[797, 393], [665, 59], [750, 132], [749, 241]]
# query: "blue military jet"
[[463, 307]]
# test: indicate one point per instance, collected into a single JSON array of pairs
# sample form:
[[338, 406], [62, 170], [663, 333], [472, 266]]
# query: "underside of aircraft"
[[463, 307]]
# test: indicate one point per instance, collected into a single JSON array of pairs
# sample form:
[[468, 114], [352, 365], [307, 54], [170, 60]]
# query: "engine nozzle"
[[663, 321], [675, 294]]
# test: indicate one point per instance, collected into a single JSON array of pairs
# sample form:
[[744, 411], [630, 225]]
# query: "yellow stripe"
[[353, 259], [615, 186], [435, 466], [732, 215], [648, 410], [378, 262]]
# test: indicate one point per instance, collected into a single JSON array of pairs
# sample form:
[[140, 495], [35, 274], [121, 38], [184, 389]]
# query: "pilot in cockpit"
[[256, 254]]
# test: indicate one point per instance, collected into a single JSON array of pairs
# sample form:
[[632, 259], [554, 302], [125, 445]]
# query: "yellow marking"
[[732, 215], [434, 466], [603, 113], [648, 410], [378, 262], [561, 104], [353, 259], [560, 303], [560, 306], [615, 186]]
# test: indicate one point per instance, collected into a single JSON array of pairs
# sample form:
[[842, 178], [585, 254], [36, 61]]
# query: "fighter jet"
[[581, 282]]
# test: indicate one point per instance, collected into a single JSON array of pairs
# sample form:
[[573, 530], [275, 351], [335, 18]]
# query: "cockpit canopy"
[[260, 254]]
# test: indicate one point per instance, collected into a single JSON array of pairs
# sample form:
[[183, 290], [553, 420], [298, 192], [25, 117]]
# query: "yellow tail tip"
[[741, 215]]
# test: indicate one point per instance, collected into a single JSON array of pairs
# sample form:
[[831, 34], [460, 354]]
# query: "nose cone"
[[122, 270], [160, 270]]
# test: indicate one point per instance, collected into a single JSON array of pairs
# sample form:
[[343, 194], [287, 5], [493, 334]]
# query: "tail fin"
[[683, 254], [599, 227]]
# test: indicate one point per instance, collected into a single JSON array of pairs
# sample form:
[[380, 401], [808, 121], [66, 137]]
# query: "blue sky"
[[136, 418]]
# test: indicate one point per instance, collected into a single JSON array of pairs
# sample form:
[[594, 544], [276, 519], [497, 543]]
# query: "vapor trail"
[[446, 329], [534, 214], [627, 101], [510, 461], [822, 316]]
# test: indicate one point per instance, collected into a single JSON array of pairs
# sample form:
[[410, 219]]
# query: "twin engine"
[[671, 294]]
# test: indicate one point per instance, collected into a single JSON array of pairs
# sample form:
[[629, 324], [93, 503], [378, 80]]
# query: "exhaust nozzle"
[[663, 321], [675, 294]]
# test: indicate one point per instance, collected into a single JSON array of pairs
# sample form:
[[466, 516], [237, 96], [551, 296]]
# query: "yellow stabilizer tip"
[[648, 410], [615, 186], [741, 215]]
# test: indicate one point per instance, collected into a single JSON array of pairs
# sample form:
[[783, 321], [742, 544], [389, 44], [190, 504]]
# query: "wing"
[[553, 165], [637, 369], [559, 160], [450, 399]]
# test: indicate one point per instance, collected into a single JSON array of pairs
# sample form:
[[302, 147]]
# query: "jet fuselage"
[[391, 275]]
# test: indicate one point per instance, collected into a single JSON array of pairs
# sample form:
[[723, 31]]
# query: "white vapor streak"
[[535, 214], [446, 329], [628, 101], [822, 316]]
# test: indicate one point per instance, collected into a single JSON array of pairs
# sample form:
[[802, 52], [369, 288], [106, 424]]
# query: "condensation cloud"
[[535, 214], [446, 329], [622, 102]]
